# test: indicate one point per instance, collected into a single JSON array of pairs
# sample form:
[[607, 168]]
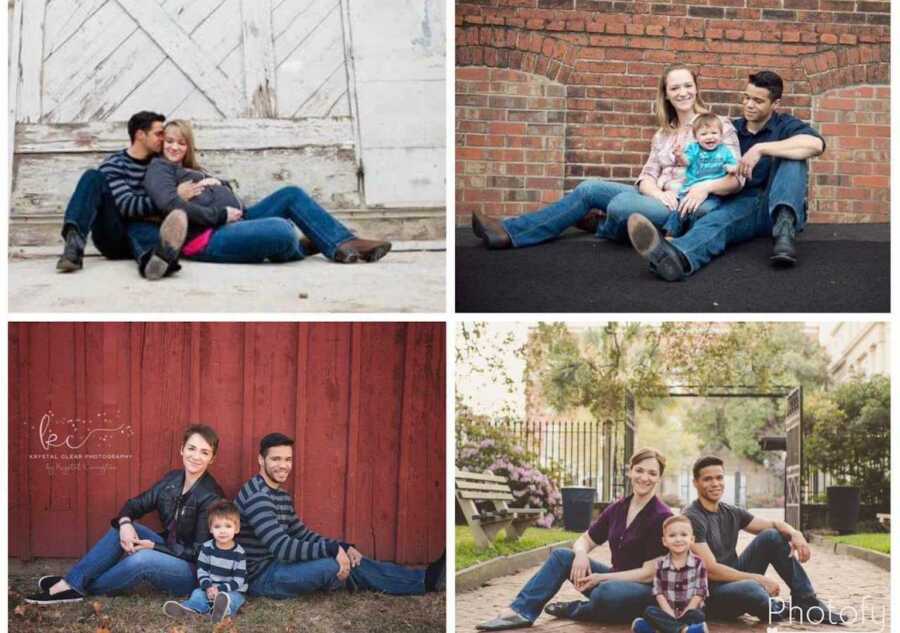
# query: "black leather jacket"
[[191, 526]]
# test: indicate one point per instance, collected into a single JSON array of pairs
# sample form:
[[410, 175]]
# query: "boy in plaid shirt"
[[679, 586]]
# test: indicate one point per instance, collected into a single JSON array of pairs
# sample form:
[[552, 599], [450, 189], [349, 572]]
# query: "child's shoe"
[[640, 625], [221, 605], [174, 609]]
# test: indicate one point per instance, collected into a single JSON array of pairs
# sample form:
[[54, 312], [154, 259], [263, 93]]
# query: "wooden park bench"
[[885, 520], [473, 489]]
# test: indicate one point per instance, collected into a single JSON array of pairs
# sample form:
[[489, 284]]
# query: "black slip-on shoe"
[[514, 621], [817, 612], [664, 259], [220, 607], [44, 597], [559, 609], [45, 582]]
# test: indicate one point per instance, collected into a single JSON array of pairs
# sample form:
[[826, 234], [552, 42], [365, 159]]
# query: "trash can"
[[578, 505]]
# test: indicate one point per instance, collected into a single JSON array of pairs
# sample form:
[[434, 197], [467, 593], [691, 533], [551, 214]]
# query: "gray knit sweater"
[[206, 210]]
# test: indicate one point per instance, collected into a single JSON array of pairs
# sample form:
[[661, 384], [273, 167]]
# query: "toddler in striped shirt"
[[221, 569]]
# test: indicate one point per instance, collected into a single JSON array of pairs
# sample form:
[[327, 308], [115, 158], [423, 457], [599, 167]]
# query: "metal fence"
[[573, 449]]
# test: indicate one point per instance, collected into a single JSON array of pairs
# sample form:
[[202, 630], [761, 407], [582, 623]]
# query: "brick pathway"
[[842, 581]]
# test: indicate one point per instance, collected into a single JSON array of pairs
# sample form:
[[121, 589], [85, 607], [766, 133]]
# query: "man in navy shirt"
[[774, 148]]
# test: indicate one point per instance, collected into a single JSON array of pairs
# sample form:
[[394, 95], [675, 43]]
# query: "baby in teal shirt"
[[706, 159]]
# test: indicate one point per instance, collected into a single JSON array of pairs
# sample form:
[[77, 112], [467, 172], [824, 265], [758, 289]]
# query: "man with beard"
[[738, 584], [774, 149], [285, 558]]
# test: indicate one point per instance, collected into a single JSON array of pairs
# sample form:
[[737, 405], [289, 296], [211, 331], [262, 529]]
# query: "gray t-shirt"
[[719, 529]]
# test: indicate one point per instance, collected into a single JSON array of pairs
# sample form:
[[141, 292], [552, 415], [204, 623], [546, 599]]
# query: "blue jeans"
[[106, 569], [198, 601], [267, 231], [613, 601], [286, 580], [617, 199], [665, 623], [732, 599], [676, 225], [93, 211], [746, 215]]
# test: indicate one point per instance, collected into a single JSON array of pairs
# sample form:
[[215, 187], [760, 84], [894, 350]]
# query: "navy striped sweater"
[[271, 530], [125, 177], [223, 568]]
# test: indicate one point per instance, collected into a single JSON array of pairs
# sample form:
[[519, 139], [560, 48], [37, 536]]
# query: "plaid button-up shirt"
[[680, 585]]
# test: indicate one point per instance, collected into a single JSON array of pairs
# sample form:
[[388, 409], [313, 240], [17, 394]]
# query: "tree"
[[596, 367], [848, 435]]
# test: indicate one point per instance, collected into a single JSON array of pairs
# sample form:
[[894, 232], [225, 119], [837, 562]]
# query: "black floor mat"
[[841, 268]]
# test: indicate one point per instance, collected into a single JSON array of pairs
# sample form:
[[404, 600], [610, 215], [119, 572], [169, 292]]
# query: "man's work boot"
[[591, 221], [72, 258], [784, 233], [172, 233], [665, 260], [491, 231], [359, 249]]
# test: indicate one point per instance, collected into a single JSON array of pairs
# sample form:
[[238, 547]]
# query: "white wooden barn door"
[[266, 82]]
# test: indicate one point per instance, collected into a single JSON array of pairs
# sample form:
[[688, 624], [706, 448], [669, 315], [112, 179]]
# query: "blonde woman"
[[655, 193], [633, 528], [222, 230]]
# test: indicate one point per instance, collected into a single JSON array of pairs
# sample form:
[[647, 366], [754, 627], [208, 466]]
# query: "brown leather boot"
[[366, 250], [590, 221], [491, 231], [309, 246]]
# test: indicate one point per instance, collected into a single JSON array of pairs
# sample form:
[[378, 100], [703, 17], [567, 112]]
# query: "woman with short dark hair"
[[130, 553]]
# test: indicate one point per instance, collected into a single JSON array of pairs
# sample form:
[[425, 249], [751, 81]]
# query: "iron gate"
[[793, 463]]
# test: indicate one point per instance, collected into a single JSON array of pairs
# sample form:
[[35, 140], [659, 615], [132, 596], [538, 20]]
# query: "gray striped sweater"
[[125, 177], [224, 568], [271, 530]]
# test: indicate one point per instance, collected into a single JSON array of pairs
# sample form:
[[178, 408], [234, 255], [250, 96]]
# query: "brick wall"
[[607, 56]]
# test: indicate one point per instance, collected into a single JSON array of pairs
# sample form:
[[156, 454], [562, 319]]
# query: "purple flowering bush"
[[484, 447]]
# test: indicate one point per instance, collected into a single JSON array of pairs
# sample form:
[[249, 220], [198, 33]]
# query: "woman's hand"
[[354, 556], [144, 544], [210, 182], [589, 582], [668, 198], [581, 567], [188, 190], [128, 537], [234, 214]]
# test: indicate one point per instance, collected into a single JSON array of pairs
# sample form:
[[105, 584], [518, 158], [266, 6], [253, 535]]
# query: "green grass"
[[141, 612], [875, 542], [467, 554]]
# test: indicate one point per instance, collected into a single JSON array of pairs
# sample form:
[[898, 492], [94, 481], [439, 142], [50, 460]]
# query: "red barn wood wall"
[[365, 402]]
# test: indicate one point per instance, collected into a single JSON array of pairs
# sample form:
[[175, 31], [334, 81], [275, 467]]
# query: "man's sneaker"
[[221, 605], [640, 625], [174, 609], [172, 233], [44, 597], [72, 258], [45, 582]]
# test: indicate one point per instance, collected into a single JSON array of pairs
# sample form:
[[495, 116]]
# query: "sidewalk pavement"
[[841, 581], [411, 278]]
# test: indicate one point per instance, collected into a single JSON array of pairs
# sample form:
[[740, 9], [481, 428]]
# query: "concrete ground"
[[842, 581], [409, 279]]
